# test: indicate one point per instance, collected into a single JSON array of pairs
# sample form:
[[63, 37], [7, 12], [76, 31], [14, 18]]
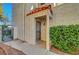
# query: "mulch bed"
[[55, 50], [7, 50]]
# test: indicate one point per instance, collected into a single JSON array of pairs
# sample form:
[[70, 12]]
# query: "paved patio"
[[28, 48]]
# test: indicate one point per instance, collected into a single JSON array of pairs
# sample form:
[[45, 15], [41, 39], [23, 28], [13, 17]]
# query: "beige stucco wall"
[[29, 25], [18, 19], [30, 34], [23, 24], [65, 14], [43, 30], [26, 25]]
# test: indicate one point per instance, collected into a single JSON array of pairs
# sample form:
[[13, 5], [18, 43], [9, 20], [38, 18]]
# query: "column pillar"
[[47, 33]]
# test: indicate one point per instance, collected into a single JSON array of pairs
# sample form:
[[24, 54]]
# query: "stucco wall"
[[23, 23], [18, 19], [65, 14], [29, 25], [30, 33], [43, 30], [26, 25]]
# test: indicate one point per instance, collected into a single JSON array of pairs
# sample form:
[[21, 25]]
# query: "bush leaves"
[[65, 38]]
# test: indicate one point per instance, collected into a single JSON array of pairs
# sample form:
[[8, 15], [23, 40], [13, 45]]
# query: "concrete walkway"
[[28, 48]]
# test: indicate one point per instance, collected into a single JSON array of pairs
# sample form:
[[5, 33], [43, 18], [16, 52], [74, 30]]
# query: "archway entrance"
[[41, 31]]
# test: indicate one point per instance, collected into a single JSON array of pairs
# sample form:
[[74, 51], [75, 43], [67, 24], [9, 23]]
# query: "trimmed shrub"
[[65, 38]]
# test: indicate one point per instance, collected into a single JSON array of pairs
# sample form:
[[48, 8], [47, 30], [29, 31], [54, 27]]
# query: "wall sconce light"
[[44, 23]]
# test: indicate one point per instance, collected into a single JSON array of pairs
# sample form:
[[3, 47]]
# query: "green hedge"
[[65, 38]]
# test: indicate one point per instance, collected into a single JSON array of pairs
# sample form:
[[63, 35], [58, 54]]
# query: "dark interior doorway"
[[38, 31]]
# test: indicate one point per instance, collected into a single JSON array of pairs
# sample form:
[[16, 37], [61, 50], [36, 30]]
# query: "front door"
[[38, 31]]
